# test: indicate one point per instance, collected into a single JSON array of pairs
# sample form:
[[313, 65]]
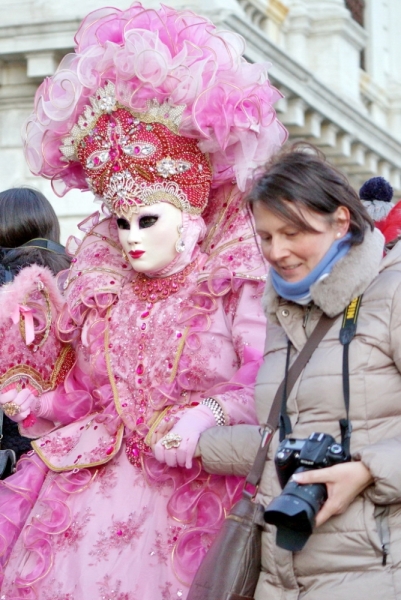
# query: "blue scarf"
[[299, 291]]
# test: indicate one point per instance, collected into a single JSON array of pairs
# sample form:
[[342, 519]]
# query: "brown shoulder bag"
[[231, 568]]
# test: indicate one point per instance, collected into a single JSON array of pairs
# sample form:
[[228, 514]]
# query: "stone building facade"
[[336, 61]]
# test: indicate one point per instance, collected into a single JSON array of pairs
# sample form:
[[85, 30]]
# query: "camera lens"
[[294, 512]]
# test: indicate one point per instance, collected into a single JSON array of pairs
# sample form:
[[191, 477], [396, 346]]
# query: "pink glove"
[[17, 405], [44, 406], [189, 427]]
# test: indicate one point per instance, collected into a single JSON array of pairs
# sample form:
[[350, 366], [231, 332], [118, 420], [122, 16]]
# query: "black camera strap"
[[285, 422], [285, 388], [347, 333]]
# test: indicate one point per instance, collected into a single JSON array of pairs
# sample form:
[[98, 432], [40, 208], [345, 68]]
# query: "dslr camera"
[[294, 511]]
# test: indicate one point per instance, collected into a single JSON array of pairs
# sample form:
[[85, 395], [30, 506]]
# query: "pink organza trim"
[[93, 285], [245, 377], [73, 400], [29, 354], [200, 501], [18, 495], [53, 518], [77, 398], [197, 316]]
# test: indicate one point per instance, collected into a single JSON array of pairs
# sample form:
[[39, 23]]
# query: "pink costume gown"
[[85, 521]]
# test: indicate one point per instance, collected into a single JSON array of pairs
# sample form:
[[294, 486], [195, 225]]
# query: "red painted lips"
[[136, 253]]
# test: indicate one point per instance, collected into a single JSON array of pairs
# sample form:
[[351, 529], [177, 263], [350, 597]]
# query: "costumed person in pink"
[[160, 116]]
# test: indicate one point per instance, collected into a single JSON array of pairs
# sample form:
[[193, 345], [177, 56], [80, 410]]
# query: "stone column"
[[323, 36]]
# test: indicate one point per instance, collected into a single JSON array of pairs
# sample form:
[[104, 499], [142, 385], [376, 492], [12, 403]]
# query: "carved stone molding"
[[312, 111]]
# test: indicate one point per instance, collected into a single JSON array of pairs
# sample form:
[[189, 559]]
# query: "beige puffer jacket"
[[343, 559]]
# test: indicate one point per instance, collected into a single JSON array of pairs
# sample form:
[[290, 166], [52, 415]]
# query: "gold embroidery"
[[154, 422], [22, 327], [108, 365], [117, 446], [178, 354], [63, 364]]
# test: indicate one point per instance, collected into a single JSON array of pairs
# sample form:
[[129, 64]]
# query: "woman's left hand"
[[344, 482]]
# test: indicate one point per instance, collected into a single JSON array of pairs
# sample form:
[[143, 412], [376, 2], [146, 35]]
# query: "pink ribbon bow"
[[28, 314]]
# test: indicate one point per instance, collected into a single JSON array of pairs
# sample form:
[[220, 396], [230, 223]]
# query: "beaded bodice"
[[160, 357], [154, 289]]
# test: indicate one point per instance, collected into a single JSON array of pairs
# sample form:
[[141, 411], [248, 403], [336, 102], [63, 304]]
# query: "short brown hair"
[[302, 176]]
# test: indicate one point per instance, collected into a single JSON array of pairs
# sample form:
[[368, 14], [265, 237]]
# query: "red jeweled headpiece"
[[134, 159]]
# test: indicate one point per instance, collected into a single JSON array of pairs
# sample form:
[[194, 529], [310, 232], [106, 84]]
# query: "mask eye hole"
[[147, 221], [123, 223]]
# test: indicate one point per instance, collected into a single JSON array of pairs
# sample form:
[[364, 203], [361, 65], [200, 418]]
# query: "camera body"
[[294, 511], [318, 451]]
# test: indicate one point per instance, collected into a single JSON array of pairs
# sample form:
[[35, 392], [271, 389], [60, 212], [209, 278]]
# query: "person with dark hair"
[[29, 235], [303, 178], [334, 530]]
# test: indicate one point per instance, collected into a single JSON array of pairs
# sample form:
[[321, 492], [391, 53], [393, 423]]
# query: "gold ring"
[[11, 409], [171, 440]]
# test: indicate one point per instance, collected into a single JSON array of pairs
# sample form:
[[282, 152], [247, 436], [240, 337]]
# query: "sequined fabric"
[[135, 159]]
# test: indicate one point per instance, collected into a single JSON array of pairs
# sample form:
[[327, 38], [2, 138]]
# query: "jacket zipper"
[[306, 316], [381, 517]]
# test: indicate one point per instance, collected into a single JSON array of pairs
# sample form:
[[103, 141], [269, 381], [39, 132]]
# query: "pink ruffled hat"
[[175, 75]]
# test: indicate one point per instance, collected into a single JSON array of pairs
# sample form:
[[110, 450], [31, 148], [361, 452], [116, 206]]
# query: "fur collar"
[[349, 278]]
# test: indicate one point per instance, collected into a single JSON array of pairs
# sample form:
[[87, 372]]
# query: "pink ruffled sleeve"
[[70, 401], [73, 399], [236, 396]]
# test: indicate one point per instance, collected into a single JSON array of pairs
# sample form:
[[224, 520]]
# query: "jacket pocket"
[[377, 528]]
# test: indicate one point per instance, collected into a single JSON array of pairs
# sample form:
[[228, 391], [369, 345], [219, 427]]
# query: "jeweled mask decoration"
[[136, 159]]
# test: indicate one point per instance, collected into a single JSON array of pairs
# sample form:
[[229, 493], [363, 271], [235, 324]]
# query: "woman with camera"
[[326, 258]]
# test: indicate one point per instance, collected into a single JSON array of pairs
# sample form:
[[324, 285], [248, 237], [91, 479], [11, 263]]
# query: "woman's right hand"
[[17, 404], [344, 483]]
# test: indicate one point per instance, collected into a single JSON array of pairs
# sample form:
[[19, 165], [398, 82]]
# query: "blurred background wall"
[[337, 62]]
